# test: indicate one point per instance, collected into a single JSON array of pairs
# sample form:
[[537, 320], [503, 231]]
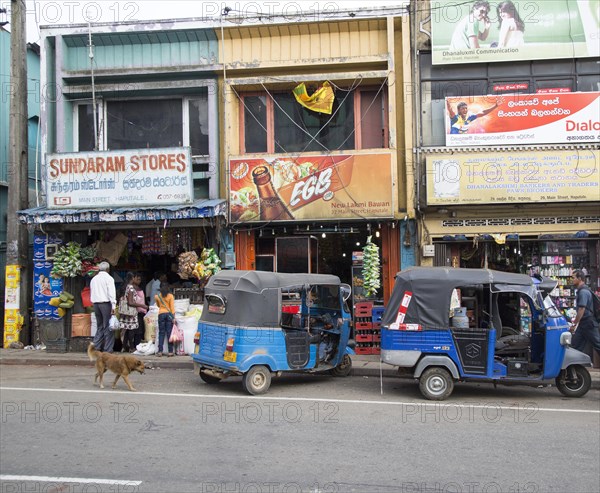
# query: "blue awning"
[[197, 210]]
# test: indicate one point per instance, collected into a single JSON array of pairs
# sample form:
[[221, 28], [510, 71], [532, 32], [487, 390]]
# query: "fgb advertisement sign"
[[136, 177]]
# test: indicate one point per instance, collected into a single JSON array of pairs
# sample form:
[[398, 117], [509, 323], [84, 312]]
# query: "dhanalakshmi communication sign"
[[494, 31], [135, 177]]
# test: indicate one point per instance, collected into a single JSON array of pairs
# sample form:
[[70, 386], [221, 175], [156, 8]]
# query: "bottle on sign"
[[272, 207]]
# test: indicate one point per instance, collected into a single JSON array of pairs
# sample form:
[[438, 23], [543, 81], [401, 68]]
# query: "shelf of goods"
[[367, 328], [560, 266]]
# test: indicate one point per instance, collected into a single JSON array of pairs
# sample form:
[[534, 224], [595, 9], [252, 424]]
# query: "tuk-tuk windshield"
[[321, 296]]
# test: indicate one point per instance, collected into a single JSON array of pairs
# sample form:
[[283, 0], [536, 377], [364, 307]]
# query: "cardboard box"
[[81, 325]]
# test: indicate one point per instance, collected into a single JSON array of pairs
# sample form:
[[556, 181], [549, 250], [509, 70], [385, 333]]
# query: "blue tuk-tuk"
[[257, 323], [443, 325]]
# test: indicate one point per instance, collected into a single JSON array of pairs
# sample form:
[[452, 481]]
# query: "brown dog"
[[120, 365]]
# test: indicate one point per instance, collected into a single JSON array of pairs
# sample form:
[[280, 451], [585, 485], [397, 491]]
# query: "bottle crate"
[[377, 313], [363, 309], [363, 337]]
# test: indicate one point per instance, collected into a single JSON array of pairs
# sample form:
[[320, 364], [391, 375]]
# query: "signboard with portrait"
[[135, 177], [506, 31], [310, 187], [523, 119], [514, 177]]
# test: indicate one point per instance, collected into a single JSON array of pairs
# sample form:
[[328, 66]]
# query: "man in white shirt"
[[104, 297], [153, 287]]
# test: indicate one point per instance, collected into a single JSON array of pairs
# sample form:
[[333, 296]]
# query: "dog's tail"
[[92, 353]]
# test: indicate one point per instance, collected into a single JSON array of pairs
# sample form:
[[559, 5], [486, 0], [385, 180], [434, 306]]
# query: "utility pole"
[[18, 277]]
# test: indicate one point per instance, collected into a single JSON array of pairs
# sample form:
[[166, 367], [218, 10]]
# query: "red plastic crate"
[[376, 325], [363, 350], [375, 350], [363, 338], [364, 309], [363, 325], [376, 337]]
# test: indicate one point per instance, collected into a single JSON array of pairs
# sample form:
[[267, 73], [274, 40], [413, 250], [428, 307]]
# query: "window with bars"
[[275, 122]]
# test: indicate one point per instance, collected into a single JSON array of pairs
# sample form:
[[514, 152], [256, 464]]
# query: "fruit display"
[[371, 271], [209, 264], [67, 260], [187, 264], [63, 302]]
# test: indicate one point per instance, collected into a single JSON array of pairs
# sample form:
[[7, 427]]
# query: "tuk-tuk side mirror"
[[346, 291]]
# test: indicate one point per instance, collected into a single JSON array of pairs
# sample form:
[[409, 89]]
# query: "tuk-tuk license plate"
[[230, 356]]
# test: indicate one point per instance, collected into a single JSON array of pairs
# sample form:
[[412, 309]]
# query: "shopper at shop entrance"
[[460, 121], [104, 297], [584, 327], [153, 286]]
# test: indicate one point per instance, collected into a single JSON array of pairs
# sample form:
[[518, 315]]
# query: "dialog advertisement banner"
[[572, 118], [472, 32], [329, 187], [142, 177], [507, 178]]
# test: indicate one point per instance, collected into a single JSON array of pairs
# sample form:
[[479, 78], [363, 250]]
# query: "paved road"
[[309, 433]]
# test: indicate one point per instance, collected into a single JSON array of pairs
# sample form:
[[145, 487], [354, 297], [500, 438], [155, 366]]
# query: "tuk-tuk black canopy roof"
[[254, 281], [253, 297], [432, 287]]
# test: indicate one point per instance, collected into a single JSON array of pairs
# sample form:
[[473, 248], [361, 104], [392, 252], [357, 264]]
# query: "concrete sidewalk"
[[362, 365]]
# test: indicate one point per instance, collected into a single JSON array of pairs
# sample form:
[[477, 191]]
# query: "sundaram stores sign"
[[568, 118], [136, 177], [514, 177], [311, 187]]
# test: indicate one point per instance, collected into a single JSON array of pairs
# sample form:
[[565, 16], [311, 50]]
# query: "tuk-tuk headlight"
[[565, 338]]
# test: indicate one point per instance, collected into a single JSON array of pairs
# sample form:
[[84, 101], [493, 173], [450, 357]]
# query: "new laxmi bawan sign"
[[514, 177], [135, 177], [313, 187]]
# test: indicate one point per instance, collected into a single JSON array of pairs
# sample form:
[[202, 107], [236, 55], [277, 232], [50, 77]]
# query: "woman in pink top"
[[166, 314], [142, 310]]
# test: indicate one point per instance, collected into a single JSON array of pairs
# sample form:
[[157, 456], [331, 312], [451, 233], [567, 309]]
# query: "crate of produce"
[[363, 325], [377, 313], [81, 325], [363, 337]]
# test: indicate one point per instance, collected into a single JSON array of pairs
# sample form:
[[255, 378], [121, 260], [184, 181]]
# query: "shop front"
[[147, 219], [313, 213]]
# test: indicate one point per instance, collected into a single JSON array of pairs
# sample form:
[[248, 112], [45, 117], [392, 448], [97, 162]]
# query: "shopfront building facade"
[[308, 187], [513, 183], [129, 152]]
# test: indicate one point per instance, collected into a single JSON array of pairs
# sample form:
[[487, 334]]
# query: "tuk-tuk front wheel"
[[344, 368], [257, 380], [436, 384], [574, 381]]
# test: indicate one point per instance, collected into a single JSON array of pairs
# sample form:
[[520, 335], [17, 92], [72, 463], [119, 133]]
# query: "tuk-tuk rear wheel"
[[574, 381], [257, 380], [436, 384]]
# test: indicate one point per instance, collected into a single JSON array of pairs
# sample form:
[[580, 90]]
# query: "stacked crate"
[[367, 328]]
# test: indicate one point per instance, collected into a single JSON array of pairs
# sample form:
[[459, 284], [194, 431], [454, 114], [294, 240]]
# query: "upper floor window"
[[275, 122]]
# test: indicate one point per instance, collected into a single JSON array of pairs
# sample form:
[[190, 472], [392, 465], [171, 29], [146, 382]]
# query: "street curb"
[[361, 368]]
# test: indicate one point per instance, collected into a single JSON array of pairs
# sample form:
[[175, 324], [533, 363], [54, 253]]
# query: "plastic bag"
[[175, 334], [113, 323]]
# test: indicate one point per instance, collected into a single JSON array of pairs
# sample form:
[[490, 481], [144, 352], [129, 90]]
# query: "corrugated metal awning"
[[197, 210]]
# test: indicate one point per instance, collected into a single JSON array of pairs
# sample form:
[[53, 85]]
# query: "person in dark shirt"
[[584, 327]]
